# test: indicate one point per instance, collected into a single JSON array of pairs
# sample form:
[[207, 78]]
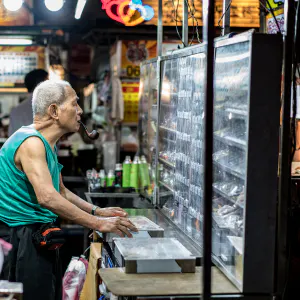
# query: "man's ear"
[[53, 111]]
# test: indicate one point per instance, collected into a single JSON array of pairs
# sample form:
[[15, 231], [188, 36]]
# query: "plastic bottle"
[[110, 178], [118, 175], [126, 172], [102, 178], [144, 172], [134, 173]]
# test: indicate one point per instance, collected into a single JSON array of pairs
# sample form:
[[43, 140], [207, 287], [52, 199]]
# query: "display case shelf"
[[166, 186], [231, 141], [168, 129], [229, 170], [165, 162], [231, 199], [237, 113]]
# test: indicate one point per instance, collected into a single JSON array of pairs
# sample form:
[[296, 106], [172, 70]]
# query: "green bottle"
[[144, 172], [126, 172], [134, 173]]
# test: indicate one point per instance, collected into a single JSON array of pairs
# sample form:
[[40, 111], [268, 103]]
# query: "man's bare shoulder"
[[33, 147]]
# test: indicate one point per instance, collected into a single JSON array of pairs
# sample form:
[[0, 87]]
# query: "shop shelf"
[[229, 170], [229, 198], [231, 141]]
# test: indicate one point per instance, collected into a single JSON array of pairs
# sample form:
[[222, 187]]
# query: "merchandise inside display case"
[[181, 141]]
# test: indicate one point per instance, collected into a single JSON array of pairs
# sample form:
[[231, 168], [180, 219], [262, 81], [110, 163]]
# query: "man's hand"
[[120, 226], [111, 212]]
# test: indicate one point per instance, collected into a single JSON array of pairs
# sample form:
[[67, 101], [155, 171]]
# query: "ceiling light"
[[79, 8], [13, 5], [16, 41], [54, 5]]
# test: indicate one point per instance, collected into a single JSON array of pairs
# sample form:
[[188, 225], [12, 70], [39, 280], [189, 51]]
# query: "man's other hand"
[[120, 226]]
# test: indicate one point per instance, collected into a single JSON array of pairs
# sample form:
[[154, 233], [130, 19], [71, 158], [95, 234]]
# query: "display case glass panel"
[[181, 141], [148, 112], [232, 79]]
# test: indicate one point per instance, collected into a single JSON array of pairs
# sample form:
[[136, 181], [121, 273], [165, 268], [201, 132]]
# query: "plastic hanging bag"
[[4, 249], [74, 278]]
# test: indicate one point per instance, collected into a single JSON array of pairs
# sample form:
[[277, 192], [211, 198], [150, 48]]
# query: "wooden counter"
[[122, 284]]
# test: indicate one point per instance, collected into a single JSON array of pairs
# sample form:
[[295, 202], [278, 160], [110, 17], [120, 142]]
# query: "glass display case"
[[245, 151], [245, 158], [148, 114]]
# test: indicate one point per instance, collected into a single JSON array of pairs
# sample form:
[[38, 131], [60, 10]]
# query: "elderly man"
[[32, 193]]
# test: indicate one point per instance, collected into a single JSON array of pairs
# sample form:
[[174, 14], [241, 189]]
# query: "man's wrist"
[[95, 209]]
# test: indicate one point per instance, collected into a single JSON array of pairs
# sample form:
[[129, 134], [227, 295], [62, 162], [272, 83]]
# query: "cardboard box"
[[90, 289]]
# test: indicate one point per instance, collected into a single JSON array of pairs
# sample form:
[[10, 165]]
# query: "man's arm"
[[87, 207], [32, 158]]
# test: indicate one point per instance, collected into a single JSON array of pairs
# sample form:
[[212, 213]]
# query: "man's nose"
[[79, 110]]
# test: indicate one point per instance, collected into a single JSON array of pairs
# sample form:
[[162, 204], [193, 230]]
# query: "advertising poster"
[[131, 101], [271, 25], [17, 61], [133, 53]]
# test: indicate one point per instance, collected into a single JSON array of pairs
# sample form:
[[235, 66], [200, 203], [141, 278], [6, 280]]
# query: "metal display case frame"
[[262, 151], [261, 157]]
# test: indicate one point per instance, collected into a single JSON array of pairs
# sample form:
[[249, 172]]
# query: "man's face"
[[70, 112]]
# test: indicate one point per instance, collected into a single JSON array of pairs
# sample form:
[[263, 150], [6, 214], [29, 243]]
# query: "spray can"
[[134, 173], [126, 172], [110, 178], [144, 172], [118, 175], [102, 178]]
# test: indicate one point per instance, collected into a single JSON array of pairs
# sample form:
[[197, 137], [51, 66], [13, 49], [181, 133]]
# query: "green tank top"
[[18, 202]]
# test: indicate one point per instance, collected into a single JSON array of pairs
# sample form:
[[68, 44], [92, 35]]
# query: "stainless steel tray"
[[159, 255]]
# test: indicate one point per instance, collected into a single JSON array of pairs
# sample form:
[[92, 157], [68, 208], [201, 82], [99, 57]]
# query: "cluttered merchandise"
[[127, 177]]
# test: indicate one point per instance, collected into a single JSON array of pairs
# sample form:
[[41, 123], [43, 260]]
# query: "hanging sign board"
[[243, 13], [17, 61]]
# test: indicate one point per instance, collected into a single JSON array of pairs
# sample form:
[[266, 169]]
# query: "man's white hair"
[[46, 93]]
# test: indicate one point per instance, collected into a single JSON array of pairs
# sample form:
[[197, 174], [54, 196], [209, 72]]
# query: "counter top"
[[122, 284]]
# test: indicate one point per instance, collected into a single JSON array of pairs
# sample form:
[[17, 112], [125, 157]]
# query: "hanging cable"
[[192, 15], [175, 13], [197, 25], [228, 6], [261, 3]]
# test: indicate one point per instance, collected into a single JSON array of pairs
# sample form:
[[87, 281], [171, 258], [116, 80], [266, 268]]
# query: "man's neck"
[[48, 130]]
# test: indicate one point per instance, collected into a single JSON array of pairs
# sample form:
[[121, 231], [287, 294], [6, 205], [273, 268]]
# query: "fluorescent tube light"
[[79, 8], [9, 41]]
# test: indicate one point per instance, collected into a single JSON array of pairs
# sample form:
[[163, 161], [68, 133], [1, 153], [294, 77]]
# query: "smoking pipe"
[[92, 135]]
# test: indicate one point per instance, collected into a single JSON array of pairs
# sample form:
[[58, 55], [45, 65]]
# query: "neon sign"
[[123, 11]]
